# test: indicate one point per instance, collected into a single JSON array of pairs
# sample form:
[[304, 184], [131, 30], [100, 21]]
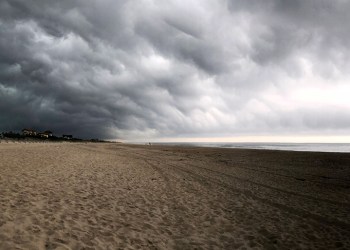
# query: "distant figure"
[[150, 144]]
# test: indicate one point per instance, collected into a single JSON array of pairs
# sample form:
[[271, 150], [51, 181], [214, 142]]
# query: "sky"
[[214, 70]]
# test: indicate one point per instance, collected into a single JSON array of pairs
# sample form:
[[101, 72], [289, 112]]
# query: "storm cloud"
[[198, 68]]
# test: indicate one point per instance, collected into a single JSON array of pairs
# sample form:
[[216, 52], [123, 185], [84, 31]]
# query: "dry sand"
[[115, 196]]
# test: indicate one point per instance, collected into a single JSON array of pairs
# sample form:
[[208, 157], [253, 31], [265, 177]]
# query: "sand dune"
[[115, 196]]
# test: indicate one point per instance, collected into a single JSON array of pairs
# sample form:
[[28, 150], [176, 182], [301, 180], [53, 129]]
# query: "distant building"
[[67, 137], [28, 132], [48, 133], [45, 134]]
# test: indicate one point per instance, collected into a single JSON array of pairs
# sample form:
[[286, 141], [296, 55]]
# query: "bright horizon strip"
[[260, 139]]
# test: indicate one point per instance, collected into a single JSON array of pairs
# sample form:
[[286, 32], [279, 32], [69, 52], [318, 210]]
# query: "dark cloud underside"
[[136, 69]]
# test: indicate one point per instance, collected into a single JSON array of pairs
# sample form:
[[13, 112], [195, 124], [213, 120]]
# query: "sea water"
[[315, 147]]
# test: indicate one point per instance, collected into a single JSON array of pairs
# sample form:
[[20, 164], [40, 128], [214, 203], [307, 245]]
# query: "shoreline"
[[118, 195]]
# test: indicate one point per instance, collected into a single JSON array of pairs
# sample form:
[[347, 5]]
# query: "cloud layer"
[[146, 69]]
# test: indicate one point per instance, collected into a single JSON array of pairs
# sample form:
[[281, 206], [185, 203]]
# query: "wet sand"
[[116, 196]]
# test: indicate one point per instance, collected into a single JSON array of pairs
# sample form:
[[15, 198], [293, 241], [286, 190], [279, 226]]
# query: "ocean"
[[312, 147]]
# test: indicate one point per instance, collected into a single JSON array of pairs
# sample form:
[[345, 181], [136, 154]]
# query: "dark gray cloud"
[[147, 69]]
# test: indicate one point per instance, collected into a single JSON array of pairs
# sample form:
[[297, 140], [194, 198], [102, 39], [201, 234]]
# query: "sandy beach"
[[118, 196]]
